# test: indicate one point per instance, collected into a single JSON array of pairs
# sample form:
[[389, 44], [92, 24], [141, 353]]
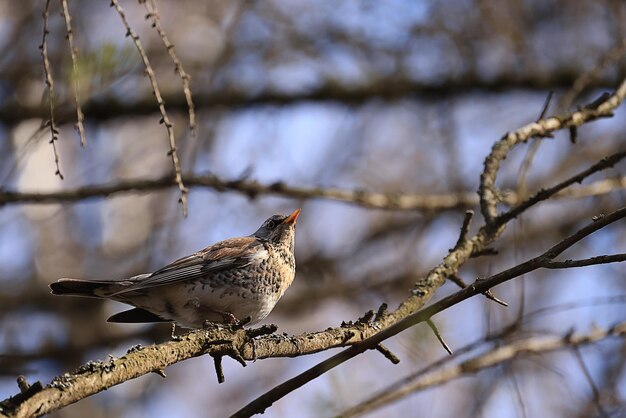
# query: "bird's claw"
[[229, 319]]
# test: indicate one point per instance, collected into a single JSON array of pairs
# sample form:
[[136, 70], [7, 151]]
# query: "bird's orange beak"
[[291, 219]]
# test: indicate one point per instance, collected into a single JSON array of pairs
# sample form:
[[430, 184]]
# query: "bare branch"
[[251, 344], [153, 14], [532, 150], [173, 153], [70, 39], [385, 396], [547, 193], [387, 353], [54, 133], [488, 294]]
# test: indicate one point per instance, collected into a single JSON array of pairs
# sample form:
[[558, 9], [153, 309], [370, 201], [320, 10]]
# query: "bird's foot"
[[228, 318]]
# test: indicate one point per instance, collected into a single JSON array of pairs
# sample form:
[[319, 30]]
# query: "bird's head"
[[279, 229]]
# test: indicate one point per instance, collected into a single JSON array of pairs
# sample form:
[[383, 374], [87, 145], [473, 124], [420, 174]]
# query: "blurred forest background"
[[403, 97]]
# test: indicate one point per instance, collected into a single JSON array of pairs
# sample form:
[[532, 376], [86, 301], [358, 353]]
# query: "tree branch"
[[153, 14], [54, 133], [80, 117], [169, 126]]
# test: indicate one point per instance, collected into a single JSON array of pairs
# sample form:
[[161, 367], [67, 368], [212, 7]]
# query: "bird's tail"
[[76, 287]]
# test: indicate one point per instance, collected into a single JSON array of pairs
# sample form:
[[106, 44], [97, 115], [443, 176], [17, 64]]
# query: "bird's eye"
[[271, 224]]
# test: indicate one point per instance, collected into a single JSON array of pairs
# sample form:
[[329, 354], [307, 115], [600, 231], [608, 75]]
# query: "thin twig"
[[457, 280], [467, 220], [433, 327], [54, 133], [70, 38], [219, 371], [153, 14], [522, 174], [387, 353], [546, 105], [489, 295], [157, 93], [544, 194]]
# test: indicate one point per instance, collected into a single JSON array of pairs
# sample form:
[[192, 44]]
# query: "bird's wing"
[[230, 253]]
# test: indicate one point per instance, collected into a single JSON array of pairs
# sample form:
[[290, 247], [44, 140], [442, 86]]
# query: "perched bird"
[[235, 280]]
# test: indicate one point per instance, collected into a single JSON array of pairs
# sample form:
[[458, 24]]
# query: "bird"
[[236, 281]]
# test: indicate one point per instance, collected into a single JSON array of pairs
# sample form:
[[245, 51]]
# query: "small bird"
[[235, 281]]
